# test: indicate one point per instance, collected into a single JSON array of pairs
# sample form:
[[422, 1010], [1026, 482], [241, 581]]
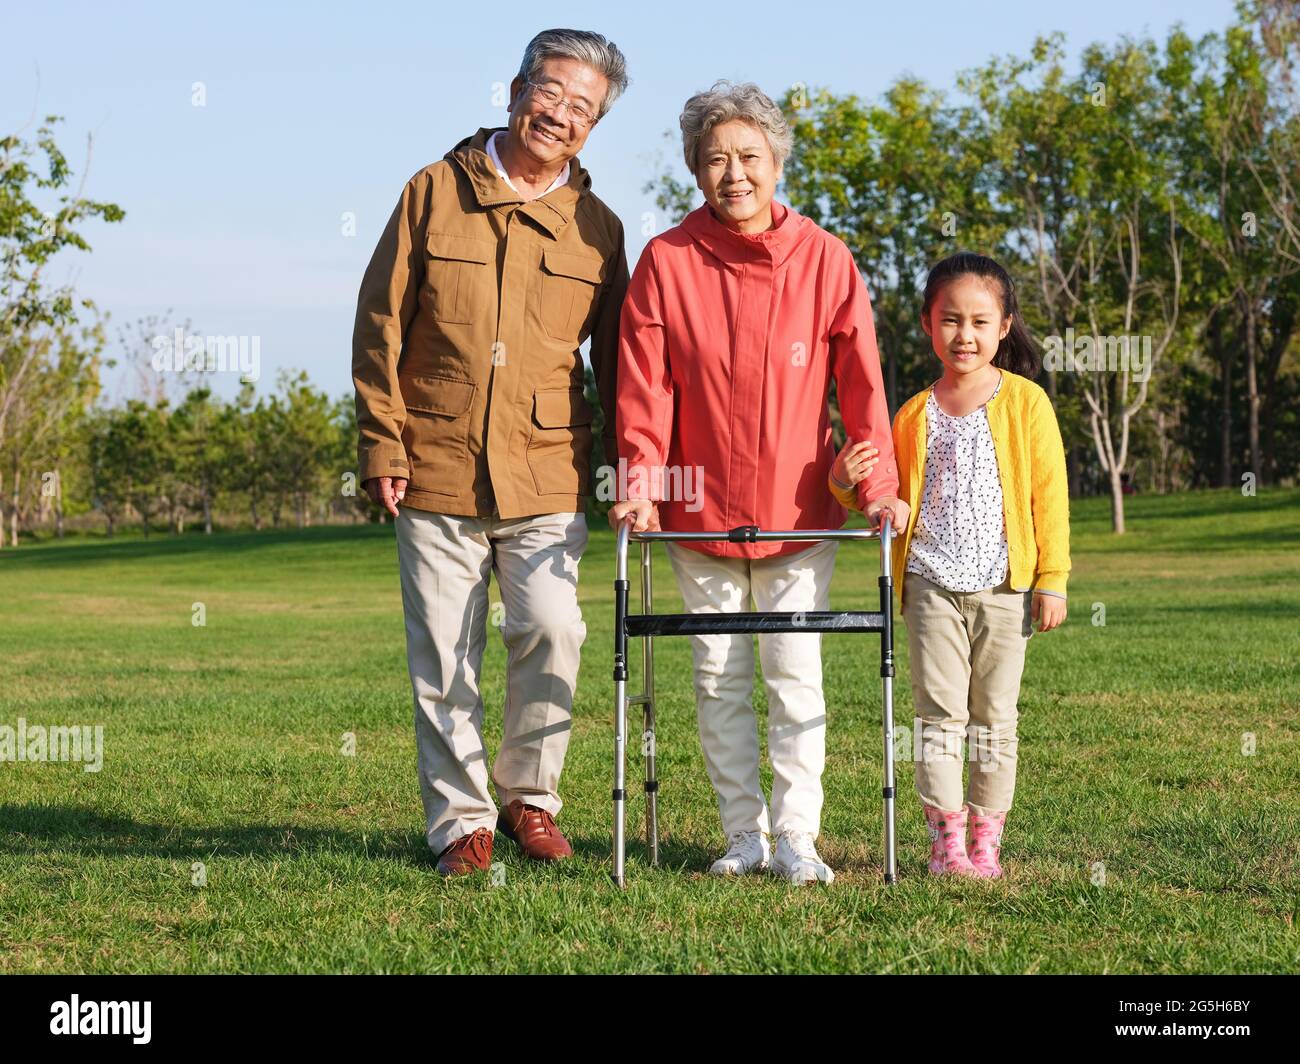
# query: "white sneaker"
[[749, 852], [796, 859]]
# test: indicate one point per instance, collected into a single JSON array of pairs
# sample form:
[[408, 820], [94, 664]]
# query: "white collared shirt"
[[960, 538], [563, 179]]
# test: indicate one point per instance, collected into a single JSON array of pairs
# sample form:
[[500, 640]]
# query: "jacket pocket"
[[458, 271], [437, 433], [570, 285], [559, 446]]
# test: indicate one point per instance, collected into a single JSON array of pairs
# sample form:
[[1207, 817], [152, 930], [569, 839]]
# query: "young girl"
[[985, 553]]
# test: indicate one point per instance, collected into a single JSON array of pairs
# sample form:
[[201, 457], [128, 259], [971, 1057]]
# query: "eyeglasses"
[[550, 98]]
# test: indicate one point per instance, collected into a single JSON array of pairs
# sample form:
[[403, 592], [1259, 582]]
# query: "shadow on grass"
[[32, 829], [40, 829], [82, 552], [674, 856]]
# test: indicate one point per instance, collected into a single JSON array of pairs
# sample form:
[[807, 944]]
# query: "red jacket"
[[727, 346]]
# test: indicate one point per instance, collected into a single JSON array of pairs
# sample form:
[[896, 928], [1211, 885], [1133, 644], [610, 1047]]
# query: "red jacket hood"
[[735, 249]]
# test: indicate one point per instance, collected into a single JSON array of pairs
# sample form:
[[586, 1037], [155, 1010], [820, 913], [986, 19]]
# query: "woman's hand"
[[1048, 611], [854, 462], [644, 512]]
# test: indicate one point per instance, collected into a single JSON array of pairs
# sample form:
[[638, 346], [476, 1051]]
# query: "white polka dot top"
[[960, 538]]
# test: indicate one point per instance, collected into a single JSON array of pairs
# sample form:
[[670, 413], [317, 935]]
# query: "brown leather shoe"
[[469, 853], [534, 831]]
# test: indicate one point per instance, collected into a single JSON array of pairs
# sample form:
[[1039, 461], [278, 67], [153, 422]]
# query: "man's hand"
[[1048, 611], [896, 509], [387, 491], [644, 512]]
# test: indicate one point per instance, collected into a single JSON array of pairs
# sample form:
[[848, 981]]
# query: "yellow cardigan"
[[1031, 464]]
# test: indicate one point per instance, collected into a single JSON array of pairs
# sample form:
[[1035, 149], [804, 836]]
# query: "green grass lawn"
[[223, 746]]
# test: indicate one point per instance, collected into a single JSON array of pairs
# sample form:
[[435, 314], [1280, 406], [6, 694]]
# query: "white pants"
[[792, 673], [446, 562]]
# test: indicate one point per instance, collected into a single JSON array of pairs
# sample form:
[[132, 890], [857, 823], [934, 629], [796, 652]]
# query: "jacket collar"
[[553, 212], [791, 229]]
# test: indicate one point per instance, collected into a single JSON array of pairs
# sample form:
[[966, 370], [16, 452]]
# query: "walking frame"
[[647, 626]]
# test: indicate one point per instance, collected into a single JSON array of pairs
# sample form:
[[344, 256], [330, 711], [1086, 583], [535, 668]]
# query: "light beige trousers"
[[792, 674], [967, 652], [446, 563]]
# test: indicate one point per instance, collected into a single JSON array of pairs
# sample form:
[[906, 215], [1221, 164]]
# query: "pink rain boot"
[[986, 843], [948, 843]]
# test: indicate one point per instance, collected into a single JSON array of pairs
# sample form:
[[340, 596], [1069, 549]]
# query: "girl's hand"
[[1048, 610], [895, 509], [854, 462]]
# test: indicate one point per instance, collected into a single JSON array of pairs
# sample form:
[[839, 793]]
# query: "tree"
[[896, 182], [196, 432], [109, 465], [29, 239], [1242, 152], [301, 443], [62, 382]]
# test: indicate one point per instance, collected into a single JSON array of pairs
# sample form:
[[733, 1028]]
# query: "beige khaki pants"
[[967, 652], [792, 673], [446, 563]]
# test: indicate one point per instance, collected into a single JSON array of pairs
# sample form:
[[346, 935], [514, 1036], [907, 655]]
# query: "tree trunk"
[[1225, 352], [58, 503], [1282, 327], [207, 512], [1073, 472], [1252, 391], [1268, 431], [13, 507], [1116, 502], [1160, 460]]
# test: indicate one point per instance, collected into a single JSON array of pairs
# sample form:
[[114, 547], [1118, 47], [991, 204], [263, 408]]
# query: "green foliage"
[[30, 235], [291, 448], [1117, 192], [49, 359]]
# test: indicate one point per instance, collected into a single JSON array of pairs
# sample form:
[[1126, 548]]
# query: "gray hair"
[[725, 102], [598, 53]]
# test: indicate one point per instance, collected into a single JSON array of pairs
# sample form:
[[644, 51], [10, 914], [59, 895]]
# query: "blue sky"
[[234, 209]]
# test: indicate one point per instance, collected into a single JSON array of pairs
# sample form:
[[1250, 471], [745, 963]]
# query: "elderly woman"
[[735, 323]]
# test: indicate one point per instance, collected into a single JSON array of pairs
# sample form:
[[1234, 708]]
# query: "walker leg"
[[620, 705], [620, 719], [891, 857], [887, 682], [649, 738], [651, 787]]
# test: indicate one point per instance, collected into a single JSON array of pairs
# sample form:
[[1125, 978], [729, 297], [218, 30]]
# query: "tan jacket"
[[465, 355]]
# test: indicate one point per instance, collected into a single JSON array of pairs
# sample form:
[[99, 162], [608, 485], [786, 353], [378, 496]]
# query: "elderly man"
[[497, 263]]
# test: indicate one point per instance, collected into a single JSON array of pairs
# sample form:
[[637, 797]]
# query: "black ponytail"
[[1017, 353]]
